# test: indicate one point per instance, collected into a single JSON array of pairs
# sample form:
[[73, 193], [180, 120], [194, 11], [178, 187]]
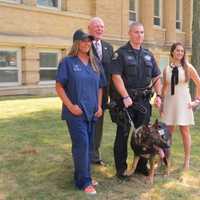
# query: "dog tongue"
[[161, 153]]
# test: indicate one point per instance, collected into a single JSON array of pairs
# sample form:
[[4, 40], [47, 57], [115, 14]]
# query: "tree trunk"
[[196, 38]]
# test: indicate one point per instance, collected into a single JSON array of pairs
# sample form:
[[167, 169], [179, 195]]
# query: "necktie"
[[174, 79], [98, 49]]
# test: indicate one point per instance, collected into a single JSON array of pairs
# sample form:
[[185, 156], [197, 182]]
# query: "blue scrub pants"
[[81, 133]]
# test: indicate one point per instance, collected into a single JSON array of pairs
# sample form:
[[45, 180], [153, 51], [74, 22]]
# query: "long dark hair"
[[183, 60]]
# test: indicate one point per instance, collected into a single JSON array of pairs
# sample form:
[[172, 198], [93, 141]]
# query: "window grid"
[[157, 19], [178, 14], [133, 10], [10, 66], [50, 4], [48, 72]]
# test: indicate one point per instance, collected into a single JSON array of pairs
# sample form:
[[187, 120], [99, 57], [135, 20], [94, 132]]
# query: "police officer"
[[133, 68], [79, 83]]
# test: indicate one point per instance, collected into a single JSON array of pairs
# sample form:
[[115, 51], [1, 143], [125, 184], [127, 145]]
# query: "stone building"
[[36, 34]]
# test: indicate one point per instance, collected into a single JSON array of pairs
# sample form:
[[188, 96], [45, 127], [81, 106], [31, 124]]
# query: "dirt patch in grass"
[[29, 150]]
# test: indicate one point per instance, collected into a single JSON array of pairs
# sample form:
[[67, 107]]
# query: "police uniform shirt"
[[81, 84], [136, 66]]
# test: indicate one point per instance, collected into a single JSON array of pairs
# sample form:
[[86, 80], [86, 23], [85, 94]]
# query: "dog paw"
[[149, 180], [129, 173], [166, 174]]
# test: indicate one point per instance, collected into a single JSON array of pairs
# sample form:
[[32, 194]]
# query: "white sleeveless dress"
[[175, 107]]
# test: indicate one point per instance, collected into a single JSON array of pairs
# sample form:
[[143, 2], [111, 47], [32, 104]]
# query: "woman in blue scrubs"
[[79, 83]]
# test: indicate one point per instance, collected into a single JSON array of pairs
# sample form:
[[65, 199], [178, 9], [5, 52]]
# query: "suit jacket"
[[107, 53]]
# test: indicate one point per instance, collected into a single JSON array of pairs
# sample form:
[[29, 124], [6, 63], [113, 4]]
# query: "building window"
[[178, 14], [10, 62], [11, 1], [157, 19], [163, 62], [133, 10], [48, 65], [49, 3]]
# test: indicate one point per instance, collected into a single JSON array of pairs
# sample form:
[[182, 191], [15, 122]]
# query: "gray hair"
[[95, 19], [134, 24]]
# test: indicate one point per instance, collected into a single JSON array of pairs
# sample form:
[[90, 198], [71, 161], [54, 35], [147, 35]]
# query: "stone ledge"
[[28, 90], [38, 41]]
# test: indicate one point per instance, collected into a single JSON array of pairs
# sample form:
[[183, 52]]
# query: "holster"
[[145, 94], [118, 114]]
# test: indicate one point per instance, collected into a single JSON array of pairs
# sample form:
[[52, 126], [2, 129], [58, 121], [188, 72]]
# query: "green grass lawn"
[[36, 163]]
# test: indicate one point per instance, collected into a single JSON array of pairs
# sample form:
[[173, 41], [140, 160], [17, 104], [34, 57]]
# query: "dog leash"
[[132, 128]]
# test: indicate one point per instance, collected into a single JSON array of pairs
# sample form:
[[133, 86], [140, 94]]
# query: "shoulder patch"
[[115, 56], [147, 58]]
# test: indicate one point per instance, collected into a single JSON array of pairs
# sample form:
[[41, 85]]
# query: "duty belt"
[[140, 93]]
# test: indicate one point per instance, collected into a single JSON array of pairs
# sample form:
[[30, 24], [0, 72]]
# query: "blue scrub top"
[[81, 84]]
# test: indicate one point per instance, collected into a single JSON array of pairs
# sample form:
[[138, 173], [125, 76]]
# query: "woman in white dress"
[[176, 109]]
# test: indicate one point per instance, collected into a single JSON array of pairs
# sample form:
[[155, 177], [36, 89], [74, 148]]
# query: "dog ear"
[[155, 125], [146, 128]]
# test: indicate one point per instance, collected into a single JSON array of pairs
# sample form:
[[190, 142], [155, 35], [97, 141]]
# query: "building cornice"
[[45, 10]]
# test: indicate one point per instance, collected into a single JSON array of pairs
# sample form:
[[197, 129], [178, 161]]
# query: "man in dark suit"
[[103, 51]]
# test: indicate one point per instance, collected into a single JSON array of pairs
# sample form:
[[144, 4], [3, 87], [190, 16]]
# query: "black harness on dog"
[[146, 139]]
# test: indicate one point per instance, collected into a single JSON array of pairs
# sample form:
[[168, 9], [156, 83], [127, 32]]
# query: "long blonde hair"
[[93, 61]]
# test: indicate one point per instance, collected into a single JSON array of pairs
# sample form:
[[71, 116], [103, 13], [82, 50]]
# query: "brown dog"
[[150, 142]]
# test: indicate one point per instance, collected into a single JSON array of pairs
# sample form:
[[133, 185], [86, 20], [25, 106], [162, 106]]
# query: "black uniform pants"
[[121, 139]]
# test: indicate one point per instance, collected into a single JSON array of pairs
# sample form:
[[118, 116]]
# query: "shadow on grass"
[[36, 163], [35, 154]]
